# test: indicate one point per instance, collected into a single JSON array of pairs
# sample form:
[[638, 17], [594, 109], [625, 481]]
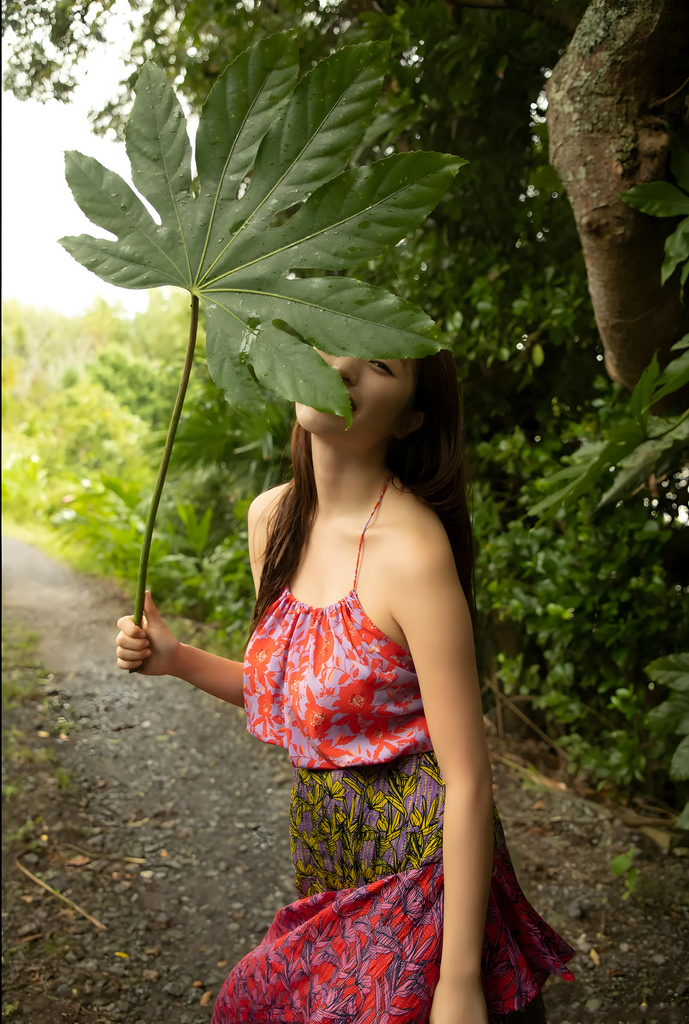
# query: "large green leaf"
[[679, 161], [679, 765], [676, 251], [274, 199], [671, 670], [588, 464], [676, 374], [657, 198]]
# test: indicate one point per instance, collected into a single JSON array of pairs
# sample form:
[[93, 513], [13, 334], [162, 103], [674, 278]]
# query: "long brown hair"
[[431, 462]]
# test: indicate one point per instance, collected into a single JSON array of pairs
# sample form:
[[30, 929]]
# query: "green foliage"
[[672, 716], [570, 596], [40, 346], [635, 444], [265, 145], [140, 385], [77, 460], [658, 199], [79, 428], [663, 199], [623, 865], [189, 573]]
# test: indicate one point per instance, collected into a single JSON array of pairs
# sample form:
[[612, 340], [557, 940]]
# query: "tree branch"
[[537, 9]]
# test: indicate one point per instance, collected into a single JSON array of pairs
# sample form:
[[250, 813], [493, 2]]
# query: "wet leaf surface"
[[273, 199]]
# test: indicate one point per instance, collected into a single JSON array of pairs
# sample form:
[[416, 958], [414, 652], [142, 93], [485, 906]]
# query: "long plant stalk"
[[165, 461]]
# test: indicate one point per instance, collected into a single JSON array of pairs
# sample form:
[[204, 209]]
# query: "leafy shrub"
[[187, 575], [672, 716], [574, 594]]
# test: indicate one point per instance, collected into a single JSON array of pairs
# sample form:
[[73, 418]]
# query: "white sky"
[[38, 207]]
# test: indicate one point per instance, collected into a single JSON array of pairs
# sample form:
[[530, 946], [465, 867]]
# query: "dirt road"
[[147, 804], [159, 771]]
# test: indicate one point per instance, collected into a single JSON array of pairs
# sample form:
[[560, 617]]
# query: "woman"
[[409, 909]]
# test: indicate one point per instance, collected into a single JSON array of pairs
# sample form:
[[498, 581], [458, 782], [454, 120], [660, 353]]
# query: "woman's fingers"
[[126, 654], [127, 664], [127, 625], [130, 642], [130, 659]]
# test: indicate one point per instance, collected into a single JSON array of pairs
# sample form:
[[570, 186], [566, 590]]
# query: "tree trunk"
[[619, 85]]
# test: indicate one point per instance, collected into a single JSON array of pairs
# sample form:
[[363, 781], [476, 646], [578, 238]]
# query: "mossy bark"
[[611, 99]]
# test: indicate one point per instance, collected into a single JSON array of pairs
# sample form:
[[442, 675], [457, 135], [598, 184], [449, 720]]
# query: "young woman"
[[409, 908]]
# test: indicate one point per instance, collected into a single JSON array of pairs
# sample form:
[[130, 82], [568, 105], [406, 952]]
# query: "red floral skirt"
[[363, 943]]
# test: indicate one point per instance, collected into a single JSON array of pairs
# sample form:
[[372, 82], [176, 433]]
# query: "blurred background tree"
[[572, 607]]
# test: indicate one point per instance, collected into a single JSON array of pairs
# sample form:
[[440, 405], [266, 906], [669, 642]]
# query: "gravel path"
[[160, 816]]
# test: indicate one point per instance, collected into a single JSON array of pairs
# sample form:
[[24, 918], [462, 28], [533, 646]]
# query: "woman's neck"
[[346, 481]]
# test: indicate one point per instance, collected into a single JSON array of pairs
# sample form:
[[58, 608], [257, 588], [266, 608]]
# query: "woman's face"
[[380, 391]]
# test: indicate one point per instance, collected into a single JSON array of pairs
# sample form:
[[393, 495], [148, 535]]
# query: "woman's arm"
[[154, 650], [209, 672], [220, 676], [428, 602]]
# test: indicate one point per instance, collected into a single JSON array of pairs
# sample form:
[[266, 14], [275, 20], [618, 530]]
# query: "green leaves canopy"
[[271, 201], [638, 444]]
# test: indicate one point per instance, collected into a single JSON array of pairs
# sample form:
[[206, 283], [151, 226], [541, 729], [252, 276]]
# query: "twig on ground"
[[531, 772], [54, 892], [525, 718], [96, 855]]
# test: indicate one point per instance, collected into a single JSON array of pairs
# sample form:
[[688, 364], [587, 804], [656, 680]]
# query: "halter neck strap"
[[361, 539]]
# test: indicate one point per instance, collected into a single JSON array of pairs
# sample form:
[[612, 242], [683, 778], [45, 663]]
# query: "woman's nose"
[[347, 367]]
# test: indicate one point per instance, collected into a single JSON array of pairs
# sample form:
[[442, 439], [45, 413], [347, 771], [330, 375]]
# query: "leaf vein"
[[328, 227], [227, 163], [268, 194]]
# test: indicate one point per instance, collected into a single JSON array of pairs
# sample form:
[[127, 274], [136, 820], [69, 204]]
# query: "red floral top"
[[329, 686]]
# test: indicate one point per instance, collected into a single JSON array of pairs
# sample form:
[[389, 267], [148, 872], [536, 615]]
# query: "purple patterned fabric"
[[363, 944]]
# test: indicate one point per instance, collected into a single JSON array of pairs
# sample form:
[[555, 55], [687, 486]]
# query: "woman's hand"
[[458, 1003], [151, 645]]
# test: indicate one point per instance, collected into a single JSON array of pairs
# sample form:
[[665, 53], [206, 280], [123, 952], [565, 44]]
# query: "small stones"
[[575, 909]]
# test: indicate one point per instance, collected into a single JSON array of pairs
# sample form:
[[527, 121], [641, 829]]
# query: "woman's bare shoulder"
[[414, 517], [417, 536], [264, 503], [258, 523]]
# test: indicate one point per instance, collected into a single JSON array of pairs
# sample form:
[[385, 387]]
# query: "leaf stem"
[[167, 452]]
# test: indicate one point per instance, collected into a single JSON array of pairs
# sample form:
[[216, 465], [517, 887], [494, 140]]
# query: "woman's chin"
[[320, 423]]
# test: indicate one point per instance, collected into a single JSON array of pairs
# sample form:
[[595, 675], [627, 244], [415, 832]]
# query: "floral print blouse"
[[329, 686]]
